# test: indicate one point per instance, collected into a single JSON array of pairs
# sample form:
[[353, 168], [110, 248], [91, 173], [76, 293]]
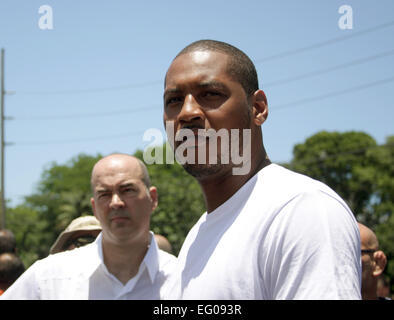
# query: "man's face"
[[199, 94], [121, 201]]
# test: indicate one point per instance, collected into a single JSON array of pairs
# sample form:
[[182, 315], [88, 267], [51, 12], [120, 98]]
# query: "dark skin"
[[199, 93]]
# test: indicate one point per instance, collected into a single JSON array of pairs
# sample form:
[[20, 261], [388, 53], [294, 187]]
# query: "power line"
[[324, 43], [269, 84], [93, 90], [330, 69], [88, 115], [269, 58], [333, 93], [66, 141], [282, 106]]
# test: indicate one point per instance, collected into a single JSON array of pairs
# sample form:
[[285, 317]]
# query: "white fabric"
[[81, 274], [281, 236]]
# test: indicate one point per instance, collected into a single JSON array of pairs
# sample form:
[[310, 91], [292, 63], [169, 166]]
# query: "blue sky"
[[93, 84]]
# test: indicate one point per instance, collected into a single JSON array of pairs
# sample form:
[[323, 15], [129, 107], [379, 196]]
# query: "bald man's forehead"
[[114, 169], [368, 238]]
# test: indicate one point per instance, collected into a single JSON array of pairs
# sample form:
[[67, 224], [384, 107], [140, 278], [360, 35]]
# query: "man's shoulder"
[[63, 263], [286, 183], [165, 258]]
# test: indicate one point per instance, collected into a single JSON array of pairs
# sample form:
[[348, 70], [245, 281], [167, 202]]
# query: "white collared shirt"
[[81, 274]]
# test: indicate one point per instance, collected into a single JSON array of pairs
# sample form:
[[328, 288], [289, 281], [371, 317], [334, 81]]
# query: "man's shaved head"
[[240, 66], [144, 175], [368, 238]]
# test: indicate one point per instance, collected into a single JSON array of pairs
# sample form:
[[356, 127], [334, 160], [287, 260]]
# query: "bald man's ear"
[[154, 196], [380, 263], [93, 206], [260, 107]]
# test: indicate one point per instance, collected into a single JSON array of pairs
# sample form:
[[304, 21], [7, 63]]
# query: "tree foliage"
[[28, 228], [354, 166], [63, 194]]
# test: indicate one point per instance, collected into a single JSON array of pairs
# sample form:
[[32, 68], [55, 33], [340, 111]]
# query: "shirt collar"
[[96, 255], [151, 259]]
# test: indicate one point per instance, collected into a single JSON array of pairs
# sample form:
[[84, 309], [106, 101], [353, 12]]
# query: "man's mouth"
[[190, 137], [119, 216]]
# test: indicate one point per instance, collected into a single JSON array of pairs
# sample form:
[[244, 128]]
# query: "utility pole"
[[2, 92]]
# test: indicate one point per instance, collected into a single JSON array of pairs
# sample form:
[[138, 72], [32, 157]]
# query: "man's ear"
[[93, 206], [260, 107], [154, 196], [380, 263]]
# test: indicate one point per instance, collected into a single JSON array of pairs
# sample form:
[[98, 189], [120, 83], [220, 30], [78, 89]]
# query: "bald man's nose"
[[116, 201]]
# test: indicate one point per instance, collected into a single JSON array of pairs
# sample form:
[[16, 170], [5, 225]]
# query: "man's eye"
[[211, 94], [173, 100], [129, 190], [103, 195]]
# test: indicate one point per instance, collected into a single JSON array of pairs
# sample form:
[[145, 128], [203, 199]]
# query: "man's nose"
[[191, 111], [116, 201]]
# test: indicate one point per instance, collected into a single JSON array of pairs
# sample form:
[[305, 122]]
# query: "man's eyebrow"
[[205, 84], [171, 91], [127, 184], [101, 190], [212, 84]]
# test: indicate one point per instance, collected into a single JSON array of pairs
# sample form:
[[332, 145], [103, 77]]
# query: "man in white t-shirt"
[[124, 262], [268, 233]]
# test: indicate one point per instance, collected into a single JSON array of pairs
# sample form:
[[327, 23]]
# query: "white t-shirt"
[[81, 274], [281, 236]]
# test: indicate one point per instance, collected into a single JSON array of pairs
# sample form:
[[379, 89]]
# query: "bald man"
[[163, 243], [373, 263], [124, 262]]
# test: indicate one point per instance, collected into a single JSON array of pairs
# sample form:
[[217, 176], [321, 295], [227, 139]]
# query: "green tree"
[[63, 194], [354, 166], [25, 223]]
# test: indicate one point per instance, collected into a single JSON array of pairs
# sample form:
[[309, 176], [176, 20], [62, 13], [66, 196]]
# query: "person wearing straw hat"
[[81, 231], [124, 262]]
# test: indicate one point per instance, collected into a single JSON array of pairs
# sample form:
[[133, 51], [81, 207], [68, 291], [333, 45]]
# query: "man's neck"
[[368, 291], [124, 260], [218, 190]]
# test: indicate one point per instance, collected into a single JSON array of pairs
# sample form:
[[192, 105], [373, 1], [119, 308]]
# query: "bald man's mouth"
[[119, 216]]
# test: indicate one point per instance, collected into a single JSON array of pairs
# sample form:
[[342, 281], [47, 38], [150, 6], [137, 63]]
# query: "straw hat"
[[85, 223]]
